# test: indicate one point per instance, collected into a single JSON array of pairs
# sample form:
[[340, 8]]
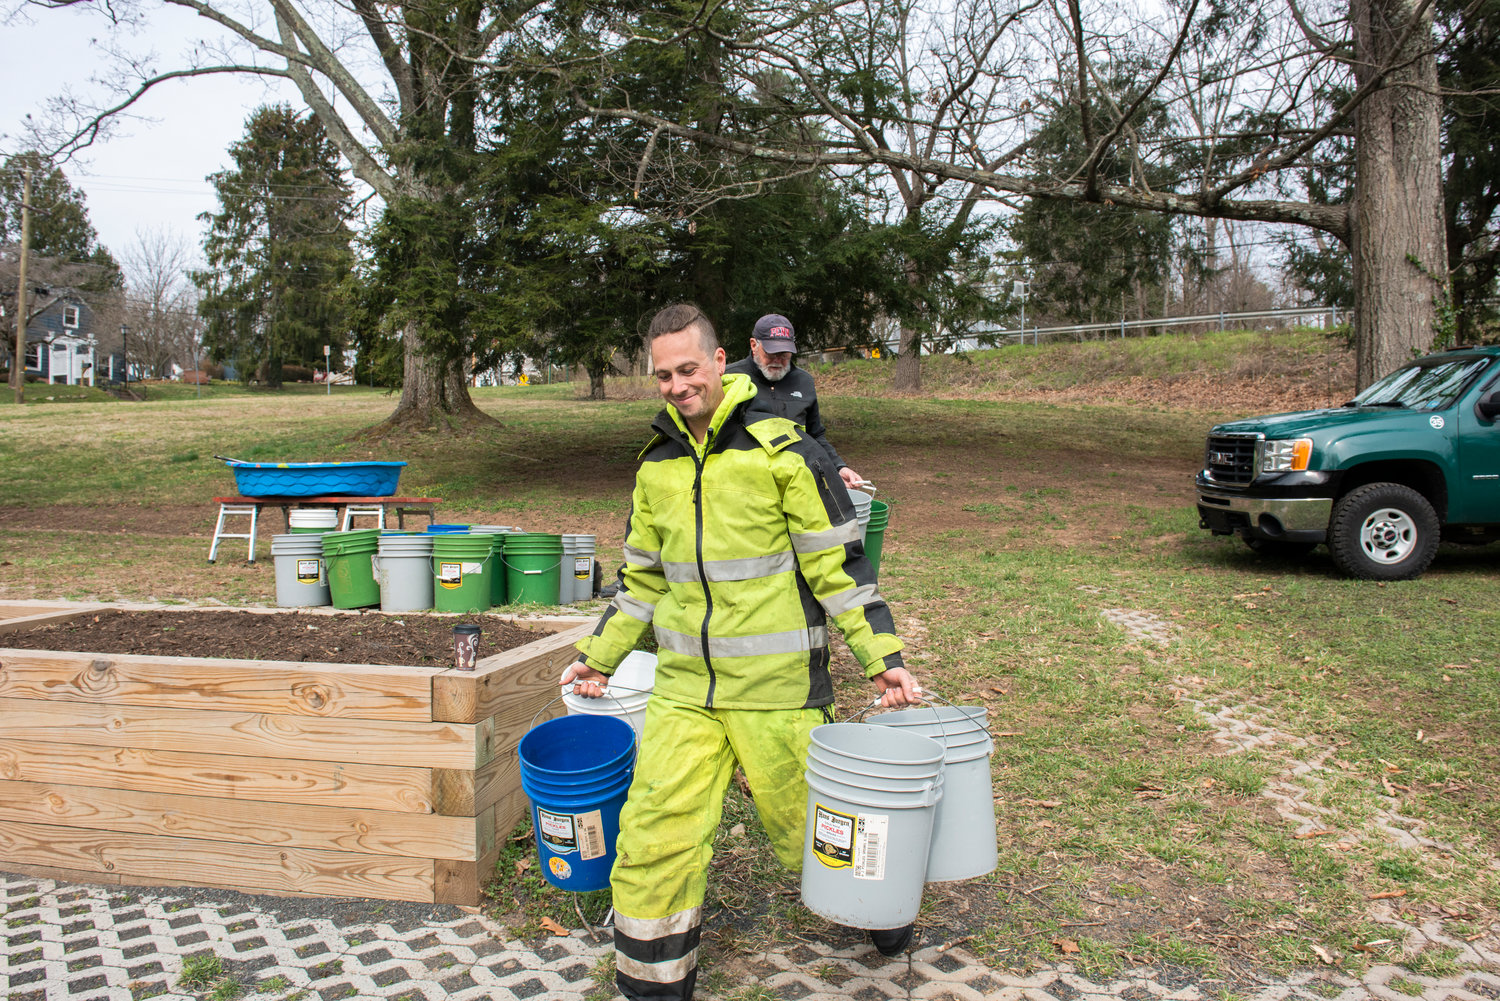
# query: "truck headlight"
[[1288, 456]]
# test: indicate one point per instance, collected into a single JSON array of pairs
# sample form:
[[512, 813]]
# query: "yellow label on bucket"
[[450, 575], [309, 571], [833, 837], [583, 568]]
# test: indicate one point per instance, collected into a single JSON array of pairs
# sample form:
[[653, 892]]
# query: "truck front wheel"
[[1383, 531]]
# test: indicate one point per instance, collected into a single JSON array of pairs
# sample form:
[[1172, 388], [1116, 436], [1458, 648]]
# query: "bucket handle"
[[607, 694], [510, 566], [925, 696]]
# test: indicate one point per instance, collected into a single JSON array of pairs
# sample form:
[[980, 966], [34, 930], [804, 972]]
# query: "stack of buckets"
[[403, 571], [894, 803], [576, 770], [452, 568], [463, 565], [301, 578], [576, 582], [350, 559], [626, 697], [873, 516], [533, 568]]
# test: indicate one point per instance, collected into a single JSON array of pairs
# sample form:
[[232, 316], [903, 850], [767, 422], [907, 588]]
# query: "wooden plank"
[[226, 776], [304, 738], [249, 868], [512, 684], [462, 882], [14, 619], [281, 687], [370, 832]]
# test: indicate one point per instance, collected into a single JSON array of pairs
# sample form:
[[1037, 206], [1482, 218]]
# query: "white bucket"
[[403, 569], [636, 673], [963, 831], [862, 502], [629, 707], [301, 576], [579, 566], [865, 853], [313, 517]]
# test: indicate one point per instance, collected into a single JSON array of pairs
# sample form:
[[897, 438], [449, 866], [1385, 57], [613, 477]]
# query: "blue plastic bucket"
[[446, 529], [576, 771]]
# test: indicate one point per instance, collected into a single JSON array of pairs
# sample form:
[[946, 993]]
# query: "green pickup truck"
[[1413, 459]]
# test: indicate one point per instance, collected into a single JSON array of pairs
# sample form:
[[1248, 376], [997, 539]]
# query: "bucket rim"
[[931, 794], [912, 784], [933, 756]]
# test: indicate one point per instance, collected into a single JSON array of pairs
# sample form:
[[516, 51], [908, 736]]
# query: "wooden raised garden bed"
[[265, 776]]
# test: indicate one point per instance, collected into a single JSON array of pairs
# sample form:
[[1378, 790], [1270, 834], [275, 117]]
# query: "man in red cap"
[[783, 389]]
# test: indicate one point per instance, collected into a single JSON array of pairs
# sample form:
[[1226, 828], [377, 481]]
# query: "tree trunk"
[[908, 375], [1396, 217], [434, 393], [596, 381]]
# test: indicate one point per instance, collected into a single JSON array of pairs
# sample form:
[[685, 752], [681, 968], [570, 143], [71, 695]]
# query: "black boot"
[[892, 941]]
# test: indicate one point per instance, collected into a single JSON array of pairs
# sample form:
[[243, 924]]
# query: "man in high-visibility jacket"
[[739, 549]]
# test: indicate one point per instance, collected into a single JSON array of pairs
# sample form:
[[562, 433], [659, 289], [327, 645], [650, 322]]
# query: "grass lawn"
[[1206, 759]]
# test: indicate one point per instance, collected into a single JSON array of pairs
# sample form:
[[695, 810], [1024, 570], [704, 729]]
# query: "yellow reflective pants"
[[686, 761]]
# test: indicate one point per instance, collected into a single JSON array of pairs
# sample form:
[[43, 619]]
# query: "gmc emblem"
[[1221, 458]]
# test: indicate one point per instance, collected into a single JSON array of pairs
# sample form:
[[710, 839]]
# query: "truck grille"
[[1230, 458]]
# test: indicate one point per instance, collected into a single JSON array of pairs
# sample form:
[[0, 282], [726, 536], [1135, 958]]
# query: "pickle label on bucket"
[[309, 571], [590, 835], [583, 567], [870, 832], [558, 832], [450, 575], [833, 837]]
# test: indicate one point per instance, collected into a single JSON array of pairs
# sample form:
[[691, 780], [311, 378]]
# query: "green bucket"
[[533, 568], [880, 516], [497, 577], [351, 575], [462, 566]]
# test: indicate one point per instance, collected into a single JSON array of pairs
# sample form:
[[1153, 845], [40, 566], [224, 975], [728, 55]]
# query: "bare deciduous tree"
[[967, 111]]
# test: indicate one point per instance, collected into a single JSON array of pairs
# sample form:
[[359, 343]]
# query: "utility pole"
[[18, 361]]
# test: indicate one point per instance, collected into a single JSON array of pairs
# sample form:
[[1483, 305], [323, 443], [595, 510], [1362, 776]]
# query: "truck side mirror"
[[1488, 406]]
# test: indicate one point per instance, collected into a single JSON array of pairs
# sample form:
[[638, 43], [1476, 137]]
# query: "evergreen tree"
[[278, 249], [60, 226]]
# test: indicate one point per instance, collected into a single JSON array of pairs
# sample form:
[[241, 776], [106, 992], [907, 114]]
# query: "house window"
[[70, 317], [34, 356]]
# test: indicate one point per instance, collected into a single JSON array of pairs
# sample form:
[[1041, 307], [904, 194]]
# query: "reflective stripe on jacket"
[[738, 552]]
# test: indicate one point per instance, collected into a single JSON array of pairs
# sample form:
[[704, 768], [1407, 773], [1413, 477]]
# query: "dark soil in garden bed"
[[365, 638]]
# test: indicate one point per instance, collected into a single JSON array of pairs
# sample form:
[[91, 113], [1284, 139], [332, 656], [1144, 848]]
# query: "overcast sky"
[[151, 174]]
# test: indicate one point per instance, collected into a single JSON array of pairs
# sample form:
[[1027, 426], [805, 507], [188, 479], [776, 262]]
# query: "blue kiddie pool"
[[577, 770], [315, 479]]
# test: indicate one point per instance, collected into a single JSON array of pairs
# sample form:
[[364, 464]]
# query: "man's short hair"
[[680, 316]]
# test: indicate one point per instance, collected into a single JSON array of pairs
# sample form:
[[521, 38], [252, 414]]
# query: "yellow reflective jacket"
[[738, 552]]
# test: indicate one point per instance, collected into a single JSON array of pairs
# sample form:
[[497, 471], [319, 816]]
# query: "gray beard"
[[770, 374]]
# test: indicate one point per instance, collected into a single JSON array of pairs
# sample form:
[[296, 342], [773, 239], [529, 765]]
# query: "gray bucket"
[[865, 853], [403, 569], [565, 573], [301, 577], [862, 502], [963, 831], [579, 566]]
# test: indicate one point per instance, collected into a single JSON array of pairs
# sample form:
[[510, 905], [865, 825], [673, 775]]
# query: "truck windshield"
[[1430, 384]]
